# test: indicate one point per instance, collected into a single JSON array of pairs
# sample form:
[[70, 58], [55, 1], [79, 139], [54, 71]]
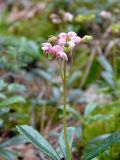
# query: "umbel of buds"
[[87, 39], [59, 47]]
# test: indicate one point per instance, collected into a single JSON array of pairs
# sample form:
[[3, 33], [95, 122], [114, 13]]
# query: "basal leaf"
[[38, 141], [105, 63], [12, 100], [90, 108], [70, 136], [8, 155], [114, 138], [13, 141]]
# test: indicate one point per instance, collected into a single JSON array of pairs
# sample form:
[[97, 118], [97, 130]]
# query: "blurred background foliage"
[[94, 82]]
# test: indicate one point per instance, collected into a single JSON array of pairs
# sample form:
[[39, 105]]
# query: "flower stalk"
[[61, 48], [64, 113]]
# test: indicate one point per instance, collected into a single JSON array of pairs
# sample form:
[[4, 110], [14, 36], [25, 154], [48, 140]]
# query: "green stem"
[[110, 151], [115, 65], [64, 114]]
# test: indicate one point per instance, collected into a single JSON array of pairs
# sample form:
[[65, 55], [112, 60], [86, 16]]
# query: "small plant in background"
[[5, 114], [9, 95]]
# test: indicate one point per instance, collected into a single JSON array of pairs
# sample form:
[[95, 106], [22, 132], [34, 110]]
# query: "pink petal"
[[72, 34], [46, 46], [57, 48], [63, 56], [61, 41], [77, 40], [71, 44], [68, 17], [62, 35]]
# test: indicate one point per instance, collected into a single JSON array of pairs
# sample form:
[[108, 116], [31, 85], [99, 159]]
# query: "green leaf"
[[56, 93], [74, 95], [74, 77], [114, 138], [2, 96], [44, 75], [12, 100], [90, 108], [72, 111], [38, 141], [16, 87], [105, 63], [98, 117], [99, 138], [70, 136], [78, 132], [2, 85], [1, 122], [13, 141], [8, 155], [33, 47], [108, 77]]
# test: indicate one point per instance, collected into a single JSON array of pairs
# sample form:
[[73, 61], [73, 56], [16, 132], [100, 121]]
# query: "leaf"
[[104, 62], [108, 77], [4, 110], [38, 141], [1, 123], [114, 138], [33, 47], [2, 85], [13, 141], [74, 95], [71, 110], [61, 141], [54, 134], [11, 100], [74, 77], [56, 93], [44, 75], [99, 117], [2, 96], [16, 87], [90, 108], [8, 155], [99, 138], [78, 132]]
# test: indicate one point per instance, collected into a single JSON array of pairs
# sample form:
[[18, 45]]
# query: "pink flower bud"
[[68, 17], [63, 56], [58, 50], [46, 47], [77, 40], [62, 35], [61, 41], [105, 14], [72, 35], [71, 45]]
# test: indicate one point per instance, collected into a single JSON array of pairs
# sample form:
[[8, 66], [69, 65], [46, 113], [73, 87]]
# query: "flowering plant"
[[59, 48]]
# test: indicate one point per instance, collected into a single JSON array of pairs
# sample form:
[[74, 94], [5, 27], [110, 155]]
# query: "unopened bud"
[[67, 49], [51, 57], [52, 40], [87, 39]]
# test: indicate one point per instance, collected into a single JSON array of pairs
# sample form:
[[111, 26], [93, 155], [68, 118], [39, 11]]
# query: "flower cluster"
[[61, 16], [58, 47], [105, 14]]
